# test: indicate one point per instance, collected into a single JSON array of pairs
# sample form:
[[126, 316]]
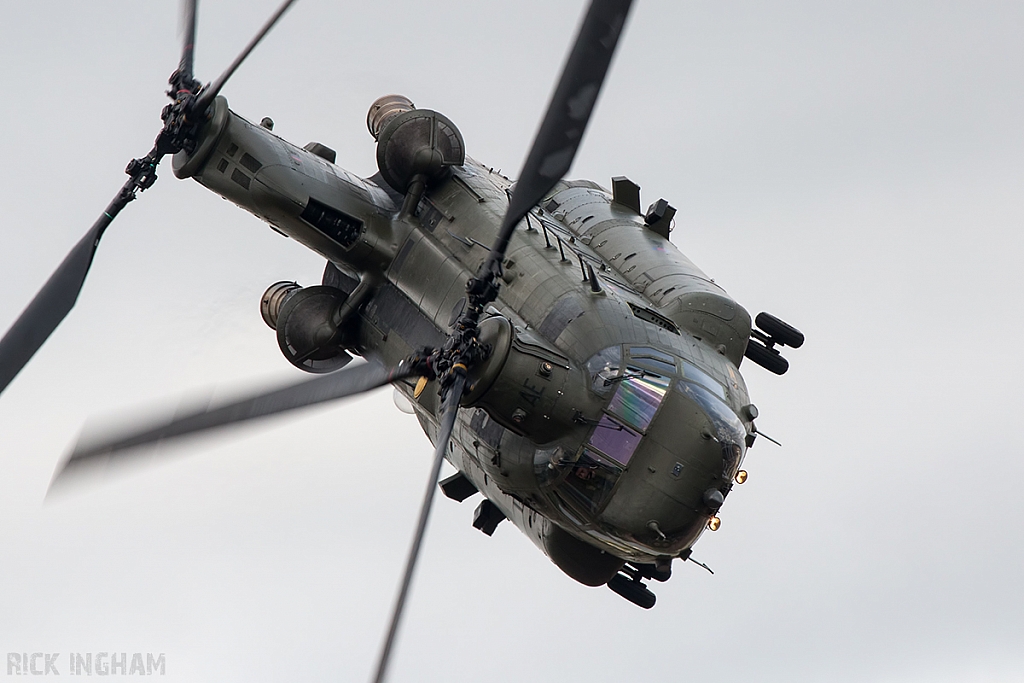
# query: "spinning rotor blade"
[[349, 382], [444, 434], [57, 297], [208, 94], [188, 25], [566, 118]]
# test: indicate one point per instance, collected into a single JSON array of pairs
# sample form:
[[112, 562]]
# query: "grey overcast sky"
[[853, 167]]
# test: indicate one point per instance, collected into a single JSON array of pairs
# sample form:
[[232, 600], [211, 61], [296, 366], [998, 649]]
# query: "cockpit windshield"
[[729, 428], [695, 374], [653, 360], [635, 381], [614, 440], [638, 396]]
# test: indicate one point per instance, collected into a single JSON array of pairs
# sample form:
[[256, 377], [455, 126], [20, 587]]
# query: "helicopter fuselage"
[[613, 421]]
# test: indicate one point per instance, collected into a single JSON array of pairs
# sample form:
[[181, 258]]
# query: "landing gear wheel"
[[781, 332], [633, 590], [769, 359]]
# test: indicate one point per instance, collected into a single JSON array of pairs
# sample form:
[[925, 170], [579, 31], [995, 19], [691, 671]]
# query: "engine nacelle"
[[310, 331], [413, 145]]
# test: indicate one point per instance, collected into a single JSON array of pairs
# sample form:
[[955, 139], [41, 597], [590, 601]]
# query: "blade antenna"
[[208, 94], [444, 433]]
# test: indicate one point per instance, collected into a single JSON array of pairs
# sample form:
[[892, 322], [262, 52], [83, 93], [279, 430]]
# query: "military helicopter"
[[572, 365]]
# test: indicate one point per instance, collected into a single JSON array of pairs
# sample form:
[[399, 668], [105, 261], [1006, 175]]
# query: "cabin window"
[[240, 178], [250, 162], [638, 396]]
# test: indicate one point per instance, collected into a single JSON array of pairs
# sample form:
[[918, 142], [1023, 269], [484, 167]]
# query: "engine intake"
[[273, 298], [384, 109]]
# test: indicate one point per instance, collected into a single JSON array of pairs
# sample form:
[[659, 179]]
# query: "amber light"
[[741, 476], [714, 523]]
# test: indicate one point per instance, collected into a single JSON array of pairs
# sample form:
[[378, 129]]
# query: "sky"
[[856, 168]]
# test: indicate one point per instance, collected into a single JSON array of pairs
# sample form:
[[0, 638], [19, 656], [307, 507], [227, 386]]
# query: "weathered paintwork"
[[539, 441]]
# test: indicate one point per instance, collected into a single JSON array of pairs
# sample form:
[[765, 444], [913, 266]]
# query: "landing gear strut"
[[487, 517]]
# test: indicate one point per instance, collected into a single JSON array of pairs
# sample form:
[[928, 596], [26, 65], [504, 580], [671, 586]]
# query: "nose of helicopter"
[[677, 474]]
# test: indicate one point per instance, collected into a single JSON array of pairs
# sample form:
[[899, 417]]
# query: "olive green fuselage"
[[617, 410]]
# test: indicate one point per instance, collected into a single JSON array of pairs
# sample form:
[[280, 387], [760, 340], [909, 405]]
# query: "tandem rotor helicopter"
[[572, 365]]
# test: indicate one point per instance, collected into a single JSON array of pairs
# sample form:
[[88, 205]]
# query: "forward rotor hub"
[[181, 121]]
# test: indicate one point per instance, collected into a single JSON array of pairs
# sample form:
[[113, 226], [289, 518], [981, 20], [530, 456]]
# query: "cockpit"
[[637, 382]]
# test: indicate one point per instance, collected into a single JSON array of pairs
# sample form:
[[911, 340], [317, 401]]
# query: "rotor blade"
[[58, 296], [444, 434], [349, 382], [207, 96], [188, 25], [567, 115]]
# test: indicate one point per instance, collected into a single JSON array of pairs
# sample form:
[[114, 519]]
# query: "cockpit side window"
[[590, 484], [603, 367]]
